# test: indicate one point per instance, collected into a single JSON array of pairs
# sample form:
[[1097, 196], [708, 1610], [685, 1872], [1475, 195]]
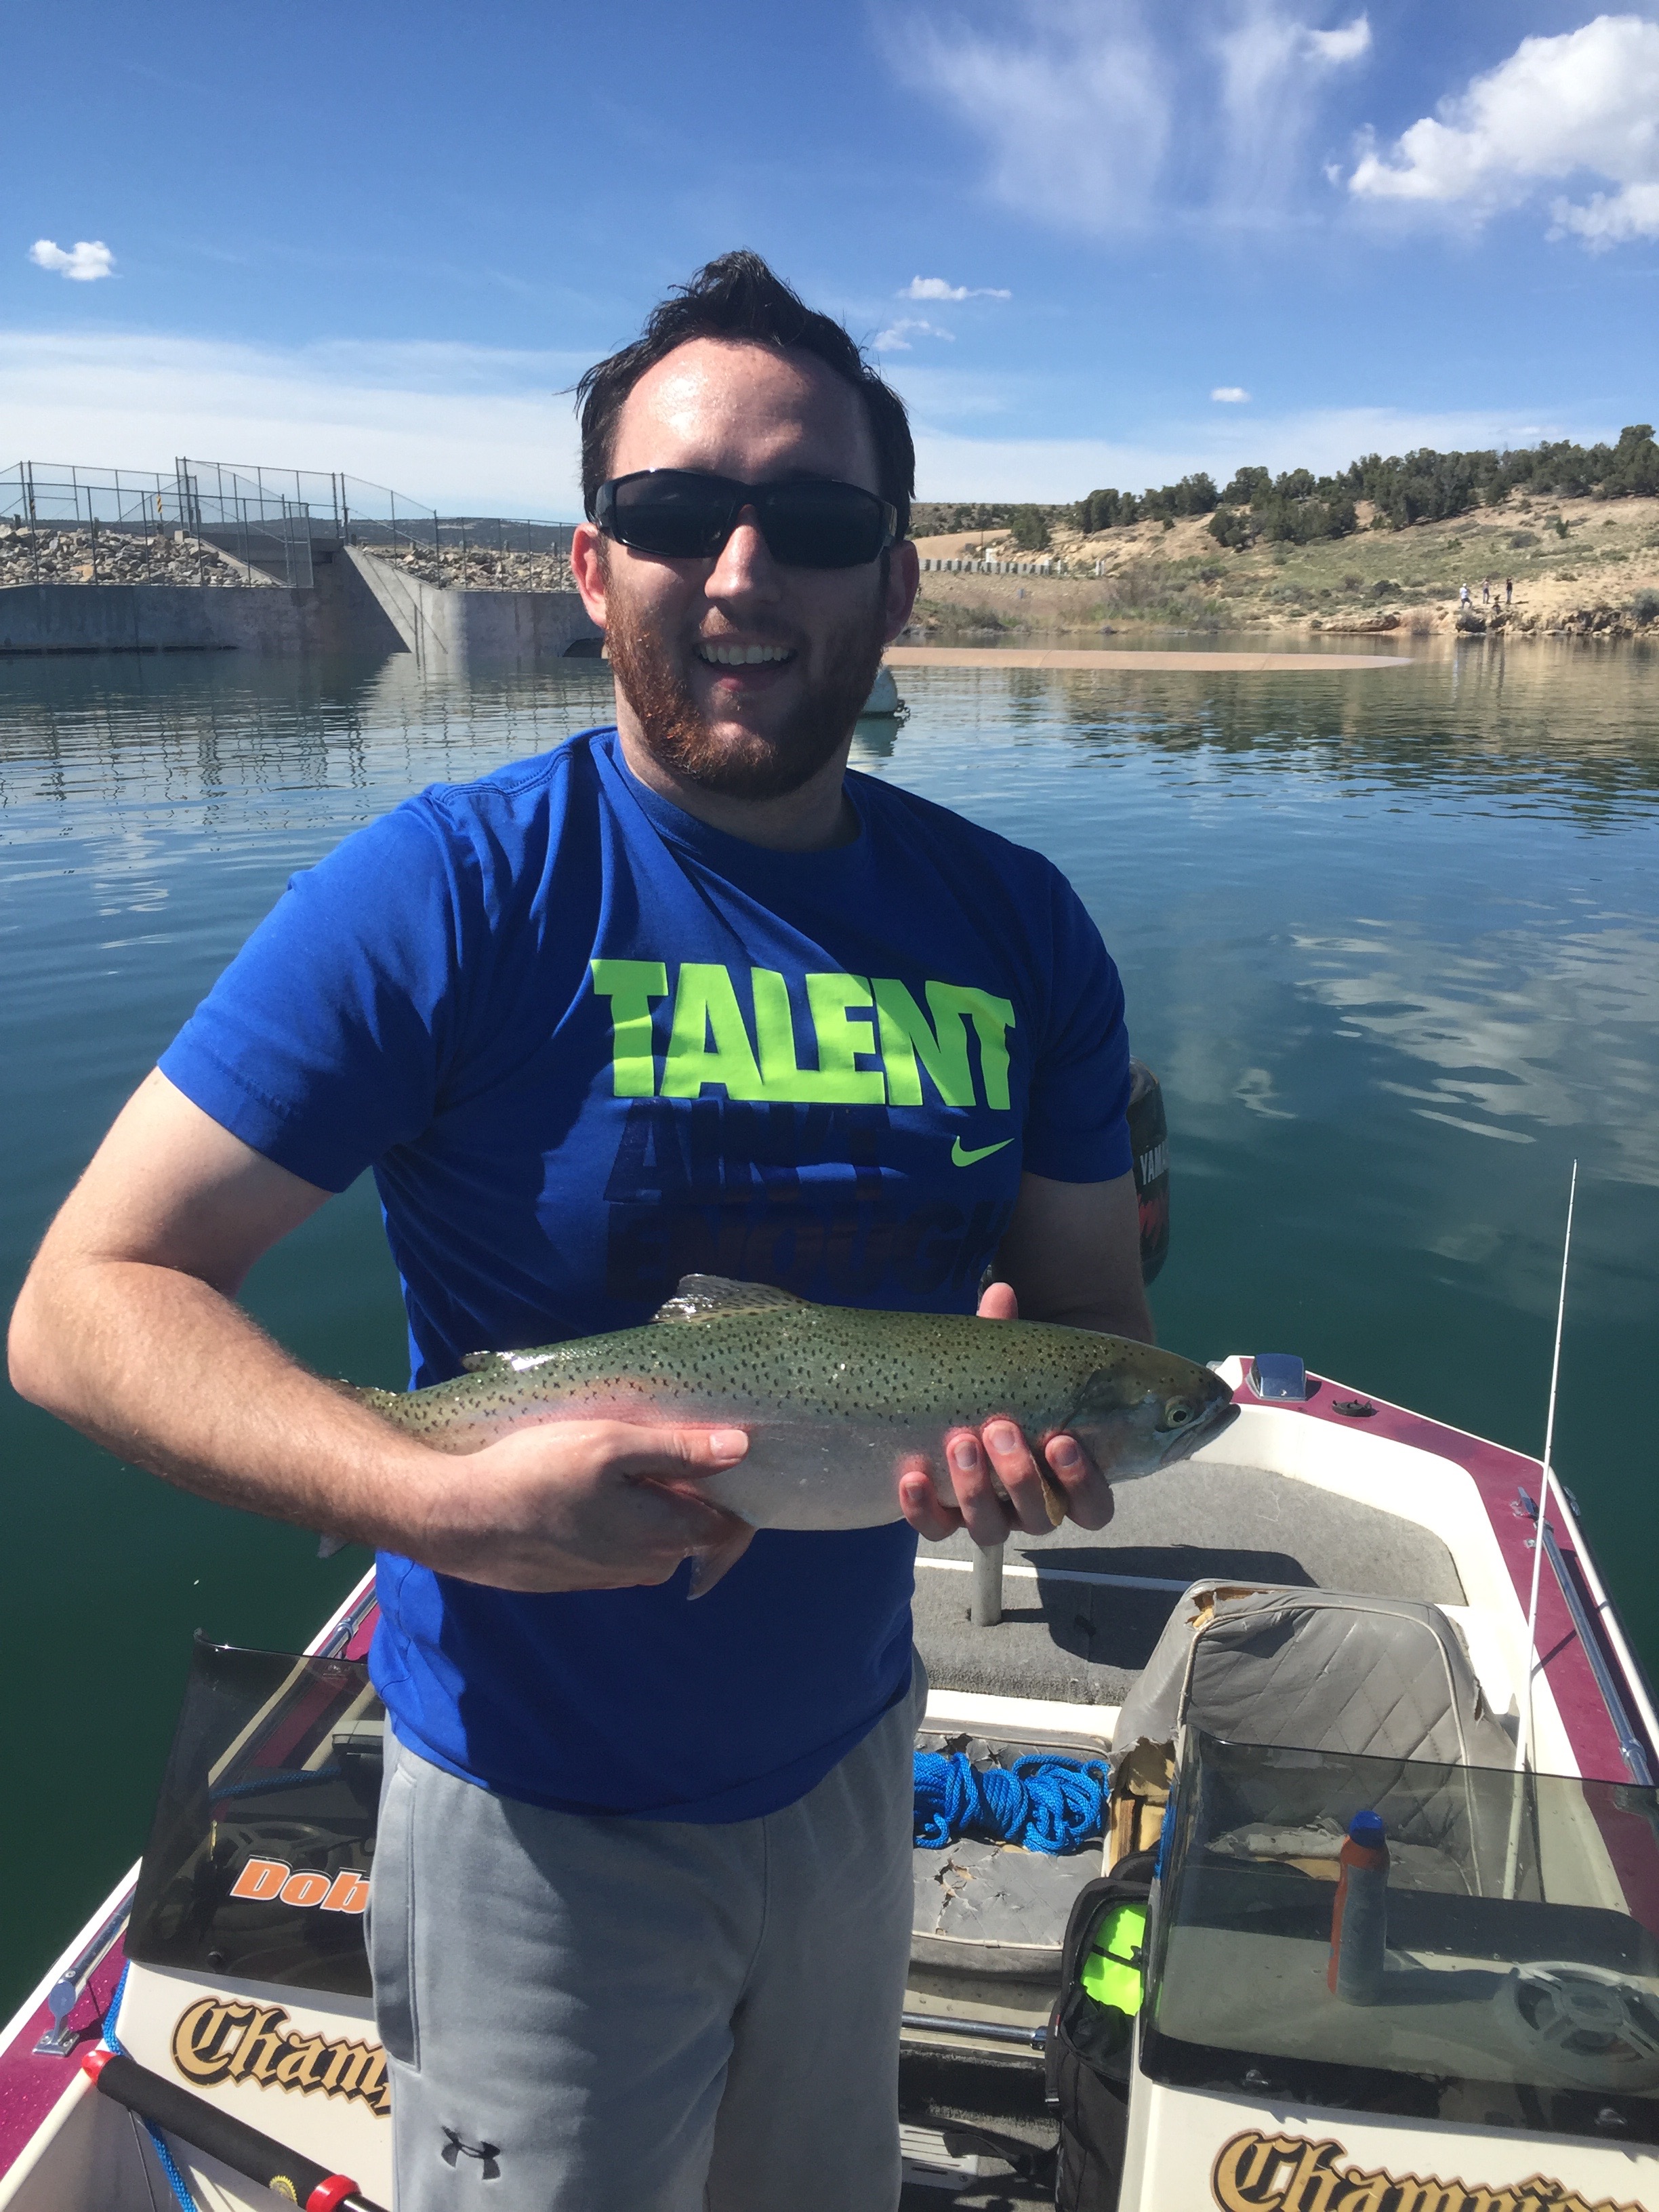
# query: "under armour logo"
[[455, 2150]]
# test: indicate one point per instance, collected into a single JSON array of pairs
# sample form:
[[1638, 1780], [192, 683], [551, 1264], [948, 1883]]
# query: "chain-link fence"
[[218, 522]]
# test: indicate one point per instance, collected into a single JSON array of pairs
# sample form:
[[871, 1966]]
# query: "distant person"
[[1485, 591], [1464, 595], [1508, 590]]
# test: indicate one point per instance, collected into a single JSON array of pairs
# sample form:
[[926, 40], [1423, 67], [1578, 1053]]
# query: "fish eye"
[[1178, 1413]]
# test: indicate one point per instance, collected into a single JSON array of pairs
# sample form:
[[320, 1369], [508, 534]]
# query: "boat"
[[1336, 1604]]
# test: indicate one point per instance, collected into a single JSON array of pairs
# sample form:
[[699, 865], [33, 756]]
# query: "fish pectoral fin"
[[708, 1567], [705, 1297], [480, 1362]]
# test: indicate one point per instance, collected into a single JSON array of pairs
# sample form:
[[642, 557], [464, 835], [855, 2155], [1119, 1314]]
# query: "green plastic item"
[[1112, 1971]]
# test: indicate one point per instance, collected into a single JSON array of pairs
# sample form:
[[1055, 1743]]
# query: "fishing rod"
[[1526, 1751]]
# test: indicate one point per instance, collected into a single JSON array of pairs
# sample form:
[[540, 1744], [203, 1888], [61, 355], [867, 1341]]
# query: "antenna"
[[1525, 1748]]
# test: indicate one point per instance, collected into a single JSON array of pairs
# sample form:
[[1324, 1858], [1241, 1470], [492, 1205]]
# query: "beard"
[[748, 764]]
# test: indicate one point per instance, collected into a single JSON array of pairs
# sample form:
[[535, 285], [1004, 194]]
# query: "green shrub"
[[1520, 538], [1645, 606], [1029, 526], [1232, 527], [1247, 485]]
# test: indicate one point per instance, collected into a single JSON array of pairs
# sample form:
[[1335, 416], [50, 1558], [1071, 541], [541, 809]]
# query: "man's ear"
[[900, 584], [590, 565]]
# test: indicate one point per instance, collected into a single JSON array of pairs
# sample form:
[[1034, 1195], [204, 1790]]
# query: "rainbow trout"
[[834, 1401]]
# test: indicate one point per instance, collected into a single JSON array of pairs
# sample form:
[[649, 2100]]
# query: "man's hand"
[[994, 1473], [574, 1505]]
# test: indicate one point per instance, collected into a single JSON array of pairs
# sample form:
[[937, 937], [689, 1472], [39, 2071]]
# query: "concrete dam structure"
[[221, 559]]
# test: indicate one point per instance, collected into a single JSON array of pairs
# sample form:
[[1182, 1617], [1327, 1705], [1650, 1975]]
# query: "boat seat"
[[1341, 1672]]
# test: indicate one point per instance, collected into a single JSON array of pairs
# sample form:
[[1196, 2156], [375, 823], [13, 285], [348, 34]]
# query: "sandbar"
[[953, 656]]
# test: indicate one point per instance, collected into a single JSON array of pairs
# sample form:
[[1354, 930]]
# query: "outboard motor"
[[1149, 1138]]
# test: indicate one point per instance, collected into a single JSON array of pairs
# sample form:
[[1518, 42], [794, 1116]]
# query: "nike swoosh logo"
[[961, 1159]]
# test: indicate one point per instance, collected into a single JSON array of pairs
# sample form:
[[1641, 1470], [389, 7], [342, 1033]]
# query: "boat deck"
[[1082, 1612]]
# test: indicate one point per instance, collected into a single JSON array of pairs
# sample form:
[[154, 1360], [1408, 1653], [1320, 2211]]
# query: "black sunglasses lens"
[[822, 526], [680, 517], [811, 525]]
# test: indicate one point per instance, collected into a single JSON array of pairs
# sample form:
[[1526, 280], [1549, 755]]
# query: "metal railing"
[[108, 512], [269, 521]]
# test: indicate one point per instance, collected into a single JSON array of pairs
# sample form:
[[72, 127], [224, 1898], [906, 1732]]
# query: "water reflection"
[[1390, 937]]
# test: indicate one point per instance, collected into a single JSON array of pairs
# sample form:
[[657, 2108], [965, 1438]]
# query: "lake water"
[[1391, 937]]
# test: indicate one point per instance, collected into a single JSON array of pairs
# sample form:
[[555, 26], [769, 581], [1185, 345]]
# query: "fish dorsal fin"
[[481, 1362], [712, 1297]]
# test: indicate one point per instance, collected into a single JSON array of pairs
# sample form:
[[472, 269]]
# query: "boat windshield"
[[259, 1857], [1520, 1981]]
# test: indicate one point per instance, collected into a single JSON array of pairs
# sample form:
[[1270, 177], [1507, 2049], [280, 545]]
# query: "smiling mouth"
[[720, 655]]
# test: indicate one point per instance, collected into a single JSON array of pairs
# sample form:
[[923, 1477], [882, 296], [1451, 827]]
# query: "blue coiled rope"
[[1042, 1802], [165, 2158]]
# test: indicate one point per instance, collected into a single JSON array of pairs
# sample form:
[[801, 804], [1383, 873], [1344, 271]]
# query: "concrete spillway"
[[356, 604]]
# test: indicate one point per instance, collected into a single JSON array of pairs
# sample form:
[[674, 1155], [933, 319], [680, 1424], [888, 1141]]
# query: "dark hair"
[[737, 297]]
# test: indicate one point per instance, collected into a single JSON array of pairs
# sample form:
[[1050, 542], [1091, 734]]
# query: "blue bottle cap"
[[1367, 1828]]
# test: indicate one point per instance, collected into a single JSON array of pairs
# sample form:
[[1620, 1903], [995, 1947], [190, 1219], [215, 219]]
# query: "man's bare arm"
[[127, 1329], [1072, 1254]]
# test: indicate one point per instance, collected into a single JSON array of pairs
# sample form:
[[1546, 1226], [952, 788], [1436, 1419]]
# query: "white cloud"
[[476, 430], [1233, 394], [467, 429], [938, 288], [952, 465], [895, 338], [1614, 220], [1072, 101], [89, 260], [1586, 101], [1347, 45], [1102, 115]]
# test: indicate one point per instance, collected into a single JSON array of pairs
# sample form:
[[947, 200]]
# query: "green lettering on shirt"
[[993, 1019], [775, 1033], [853, 1019], [906, 1037], [843, 1033], [709, 1042], [630, 986]]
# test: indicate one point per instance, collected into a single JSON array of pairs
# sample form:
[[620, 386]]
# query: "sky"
[[1092, 242]]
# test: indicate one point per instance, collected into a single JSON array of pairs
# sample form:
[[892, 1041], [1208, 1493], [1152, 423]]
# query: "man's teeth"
[[743, 656]]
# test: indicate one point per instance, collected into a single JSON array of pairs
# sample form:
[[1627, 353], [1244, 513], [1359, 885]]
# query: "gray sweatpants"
[[617, 2015]]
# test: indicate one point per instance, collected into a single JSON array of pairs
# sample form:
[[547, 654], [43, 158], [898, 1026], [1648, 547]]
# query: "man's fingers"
[[986, 1514], [997, 1302], [1087, 1492], [695, 1451], [923, 1508], [1019, 1474]]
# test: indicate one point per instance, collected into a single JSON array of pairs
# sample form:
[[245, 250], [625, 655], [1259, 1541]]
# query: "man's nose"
[[744, 562]]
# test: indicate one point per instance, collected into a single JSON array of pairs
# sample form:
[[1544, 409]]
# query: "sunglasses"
[[684, 515]]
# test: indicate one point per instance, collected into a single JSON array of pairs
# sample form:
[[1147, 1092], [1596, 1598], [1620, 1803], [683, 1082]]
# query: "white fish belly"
[[819, 1477]]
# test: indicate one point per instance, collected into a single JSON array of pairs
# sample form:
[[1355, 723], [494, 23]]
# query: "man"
[[683, 995]]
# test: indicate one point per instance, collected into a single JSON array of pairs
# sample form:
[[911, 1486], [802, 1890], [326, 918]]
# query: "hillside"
[[1579, 566]]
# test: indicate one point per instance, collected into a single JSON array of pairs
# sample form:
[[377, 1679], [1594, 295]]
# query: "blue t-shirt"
[[589, 1045]]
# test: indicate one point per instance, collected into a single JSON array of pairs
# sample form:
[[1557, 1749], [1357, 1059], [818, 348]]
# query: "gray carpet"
[[1085, 1643]]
